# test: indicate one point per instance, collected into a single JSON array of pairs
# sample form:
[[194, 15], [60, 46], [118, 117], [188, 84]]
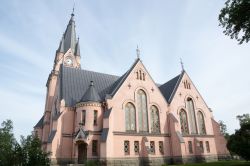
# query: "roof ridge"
[[123, 77], [91, 71], [170, 80]]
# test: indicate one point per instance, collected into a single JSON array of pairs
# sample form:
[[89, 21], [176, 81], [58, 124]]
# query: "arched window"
[[184, 122], [130, 117], [155, 121], [191, 115], [201, 123], [142, 110]]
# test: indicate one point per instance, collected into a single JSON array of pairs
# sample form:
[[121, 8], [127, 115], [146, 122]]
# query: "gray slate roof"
[[107, 113], [75, 82], [169, 88], [91, 94], [74, 85], [51, 136], [104, 134], [69, 38], [39, 123]]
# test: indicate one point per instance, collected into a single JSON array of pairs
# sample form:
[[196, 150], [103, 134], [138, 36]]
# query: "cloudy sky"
[[109, 31]]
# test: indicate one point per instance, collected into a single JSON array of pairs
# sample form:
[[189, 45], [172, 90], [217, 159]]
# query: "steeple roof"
[[69, 38], [91, 94], [77, 49], [61, 46]]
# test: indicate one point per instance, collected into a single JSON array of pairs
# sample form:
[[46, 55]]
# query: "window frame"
[[142, 100], [83, 117], [152, 147], [161, 147], [136, 150], [185, 130], [207, 146], [190, 147], [128, 114], [95, 117], [154, 115], [95, 149], [126, 143]]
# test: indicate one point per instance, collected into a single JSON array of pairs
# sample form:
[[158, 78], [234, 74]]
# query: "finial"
[[138, 52], [73, 11], [182, 65]]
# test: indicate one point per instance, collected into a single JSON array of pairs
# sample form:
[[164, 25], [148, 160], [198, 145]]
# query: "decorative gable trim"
[[198, 92], [123, 78], [82, 135]]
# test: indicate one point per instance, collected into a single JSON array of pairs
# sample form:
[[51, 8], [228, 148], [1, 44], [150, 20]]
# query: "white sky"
[[109, 31]]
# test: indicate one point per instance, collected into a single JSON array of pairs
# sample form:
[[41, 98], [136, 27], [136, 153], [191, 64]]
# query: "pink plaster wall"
[[64, 146]]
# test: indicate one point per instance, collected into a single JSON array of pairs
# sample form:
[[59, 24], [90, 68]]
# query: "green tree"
[[239, 142], [223, 129], [244, 119], [7, 143], [31, 152], [28, 153], [235, 19]]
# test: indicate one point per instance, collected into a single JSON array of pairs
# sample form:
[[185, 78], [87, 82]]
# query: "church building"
[[123, 120]]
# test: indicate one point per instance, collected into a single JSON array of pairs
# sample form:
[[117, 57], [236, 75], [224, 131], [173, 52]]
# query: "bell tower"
[[67, 54]]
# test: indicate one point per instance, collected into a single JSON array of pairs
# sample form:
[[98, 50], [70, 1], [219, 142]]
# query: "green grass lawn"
[[220, 163]]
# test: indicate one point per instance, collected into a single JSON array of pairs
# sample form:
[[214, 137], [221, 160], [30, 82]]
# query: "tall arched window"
[[201, 123], [155, 121], [191, 115], [184, 122], [142, 110], [130, 117]]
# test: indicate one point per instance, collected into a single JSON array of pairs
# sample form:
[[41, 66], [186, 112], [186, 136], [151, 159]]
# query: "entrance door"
[[82, 153]]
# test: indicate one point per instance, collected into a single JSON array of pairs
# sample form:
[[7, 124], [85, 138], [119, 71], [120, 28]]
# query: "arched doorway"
[[82, 152]]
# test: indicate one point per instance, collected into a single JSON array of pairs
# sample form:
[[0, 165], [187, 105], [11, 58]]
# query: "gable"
[[121, 80], [137, 77], [185, 88]]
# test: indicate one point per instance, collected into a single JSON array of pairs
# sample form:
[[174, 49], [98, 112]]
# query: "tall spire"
[[69, 37]]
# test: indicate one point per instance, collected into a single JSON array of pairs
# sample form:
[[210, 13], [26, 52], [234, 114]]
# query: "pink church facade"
[[126, 119]]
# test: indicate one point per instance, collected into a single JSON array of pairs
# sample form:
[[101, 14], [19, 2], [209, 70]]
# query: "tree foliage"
[[27, 153], [239, 142], [223, 129], [235, 19], [244, 119], [7, 143]]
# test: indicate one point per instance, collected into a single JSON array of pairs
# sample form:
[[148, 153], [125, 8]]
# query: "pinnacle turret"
[[91, 94], [61, 46], [77, 49]]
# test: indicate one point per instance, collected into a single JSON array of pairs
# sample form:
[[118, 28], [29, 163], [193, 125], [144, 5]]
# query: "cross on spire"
[[138, 52], [182, 65]]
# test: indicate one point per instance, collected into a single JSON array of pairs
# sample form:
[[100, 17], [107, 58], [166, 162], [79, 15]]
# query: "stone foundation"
[[156, 161]]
